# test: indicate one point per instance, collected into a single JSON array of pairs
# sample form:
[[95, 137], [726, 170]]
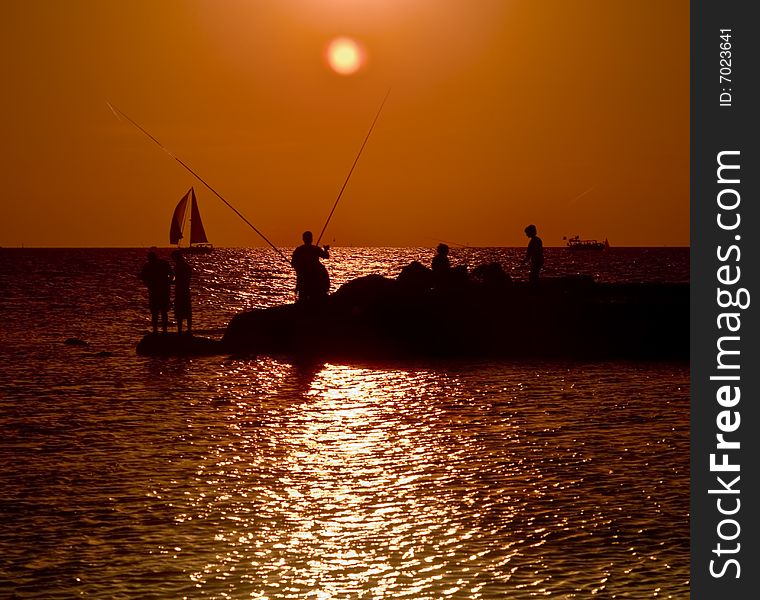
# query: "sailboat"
[[199, 243]]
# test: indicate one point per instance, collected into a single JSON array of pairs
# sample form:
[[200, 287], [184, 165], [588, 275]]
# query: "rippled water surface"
[[132, 477]]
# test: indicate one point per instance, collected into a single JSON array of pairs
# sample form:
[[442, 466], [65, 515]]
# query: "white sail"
[[178, 218], [197, 232]]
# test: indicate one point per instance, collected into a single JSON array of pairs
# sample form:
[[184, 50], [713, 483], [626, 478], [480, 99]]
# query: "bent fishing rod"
[[116, 111], [356, 160]]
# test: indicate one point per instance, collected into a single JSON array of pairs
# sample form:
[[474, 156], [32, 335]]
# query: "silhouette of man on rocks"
[[534, 253], [312, 279], [441, 263]]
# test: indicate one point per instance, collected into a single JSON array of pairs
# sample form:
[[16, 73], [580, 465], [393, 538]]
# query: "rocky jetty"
[[480, 314]]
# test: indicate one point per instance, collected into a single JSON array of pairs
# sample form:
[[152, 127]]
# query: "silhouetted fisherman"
[[441, 267], [157, 276], [312, 280], [446, 277], [441, 264], [182, 307], [534, 254]]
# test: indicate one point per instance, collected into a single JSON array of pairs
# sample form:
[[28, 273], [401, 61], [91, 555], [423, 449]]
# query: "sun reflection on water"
[[334, 481], [363, 488]]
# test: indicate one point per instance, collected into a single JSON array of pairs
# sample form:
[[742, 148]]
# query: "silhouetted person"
[[446, 277], [312, 280], [157, 276], [534, 254], [182, 308], [441, 267], [441, 262]]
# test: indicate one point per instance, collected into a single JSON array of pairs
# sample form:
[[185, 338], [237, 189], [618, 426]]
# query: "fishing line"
[[579, 196], [356, 160], [119, 113], [450, 243]]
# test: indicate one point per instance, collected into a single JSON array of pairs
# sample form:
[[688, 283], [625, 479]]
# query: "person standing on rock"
[[312, 279], [157, 276], [534, 254], [441, 264], [182, 307]]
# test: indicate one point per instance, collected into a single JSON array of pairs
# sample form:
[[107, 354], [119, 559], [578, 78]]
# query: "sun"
[[345, 56]]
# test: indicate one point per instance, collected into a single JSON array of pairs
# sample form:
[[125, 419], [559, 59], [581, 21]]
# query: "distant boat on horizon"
[[576, 243], [199, 243]]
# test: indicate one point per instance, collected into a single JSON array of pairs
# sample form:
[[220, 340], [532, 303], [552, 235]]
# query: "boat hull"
[[576, 244], [205, 249], [598, 247]]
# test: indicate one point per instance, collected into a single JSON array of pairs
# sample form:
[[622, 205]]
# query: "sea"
[[124, 476]]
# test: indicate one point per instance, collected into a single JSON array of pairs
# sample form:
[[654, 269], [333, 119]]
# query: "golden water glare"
[[360, 492], [354, 482]]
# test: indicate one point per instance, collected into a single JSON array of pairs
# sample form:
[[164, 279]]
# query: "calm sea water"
[[132, 477]]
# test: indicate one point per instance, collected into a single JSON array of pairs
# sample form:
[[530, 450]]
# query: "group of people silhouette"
[[312, 278], [158, 276], [441, 265]]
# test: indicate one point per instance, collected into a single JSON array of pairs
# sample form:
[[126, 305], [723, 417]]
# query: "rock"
[[492, 275], [415, 276], [175, 344], [485, 315]]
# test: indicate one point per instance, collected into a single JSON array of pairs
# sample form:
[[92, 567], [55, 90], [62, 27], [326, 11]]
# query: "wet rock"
[[491, 274], [175, 344]]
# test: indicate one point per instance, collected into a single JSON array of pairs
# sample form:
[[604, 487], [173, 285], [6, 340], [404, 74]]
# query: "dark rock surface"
[[483, 315], [174, 344]]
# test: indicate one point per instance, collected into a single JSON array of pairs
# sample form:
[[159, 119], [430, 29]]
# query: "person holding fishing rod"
[[312, 279]]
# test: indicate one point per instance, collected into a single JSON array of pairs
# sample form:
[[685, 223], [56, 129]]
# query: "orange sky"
[[570, 114]]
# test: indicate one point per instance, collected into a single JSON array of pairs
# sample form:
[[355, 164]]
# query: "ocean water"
[[133, 477]]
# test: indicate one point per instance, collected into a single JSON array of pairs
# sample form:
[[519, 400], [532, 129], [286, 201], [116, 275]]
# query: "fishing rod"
[[116, 111], [356, 160], [450, 243]]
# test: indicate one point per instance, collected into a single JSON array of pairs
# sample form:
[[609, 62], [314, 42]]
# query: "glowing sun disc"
[[345, 56]]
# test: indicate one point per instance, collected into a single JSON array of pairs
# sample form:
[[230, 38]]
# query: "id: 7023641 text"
[[725, 65]]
